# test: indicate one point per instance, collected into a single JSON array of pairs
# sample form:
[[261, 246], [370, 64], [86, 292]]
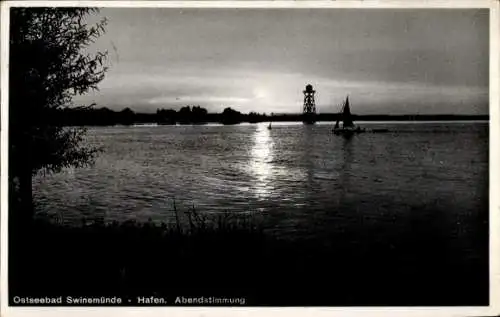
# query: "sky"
[[388, 61]]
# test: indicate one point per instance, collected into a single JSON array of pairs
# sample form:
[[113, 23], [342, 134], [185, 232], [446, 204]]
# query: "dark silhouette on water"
[[192, 115], [165, 117], [309, 108], [231, 116], [348, 127]]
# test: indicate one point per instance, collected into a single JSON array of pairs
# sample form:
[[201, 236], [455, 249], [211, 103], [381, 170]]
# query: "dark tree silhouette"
[[231, 116], [127, 116], [48, 66], [199, 111], [184, 114], [199, 114], [166, 116]]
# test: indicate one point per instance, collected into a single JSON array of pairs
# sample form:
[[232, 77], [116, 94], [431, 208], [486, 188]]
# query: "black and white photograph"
[[247, 156]]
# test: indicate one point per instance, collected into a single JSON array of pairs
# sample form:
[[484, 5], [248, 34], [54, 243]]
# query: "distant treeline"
[[199, 115]]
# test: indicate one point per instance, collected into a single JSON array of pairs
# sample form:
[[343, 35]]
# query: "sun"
[[260, 93]]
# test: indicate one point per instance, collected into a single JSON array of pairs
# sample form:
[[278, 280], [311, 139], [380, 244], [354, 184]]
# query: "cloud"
[[387, 60], [251, 90]]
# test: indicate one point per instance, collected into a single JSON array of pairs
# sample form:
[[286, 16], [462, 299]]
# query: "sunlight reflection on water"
[[260, 162], [298, 177]]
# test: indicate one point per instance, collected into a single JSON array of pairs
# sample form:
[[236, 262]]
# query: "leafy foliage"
[[48, 67]]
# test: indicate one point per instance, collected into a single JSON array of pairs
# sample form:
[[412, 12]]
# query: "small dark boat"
[[269, 126], [348, 127]]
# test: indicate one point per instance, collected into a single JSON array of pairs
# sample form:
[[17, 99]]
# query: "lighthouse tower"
[[309, 109]]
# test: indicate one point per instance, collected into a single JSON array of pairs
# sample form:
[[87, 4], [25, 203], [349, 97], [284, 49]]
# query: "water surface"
[[298, 179]]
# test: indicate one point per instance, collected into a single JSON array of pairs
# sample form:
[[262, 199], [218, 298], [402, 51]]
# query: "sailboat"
[[269, 126], [348, 126]]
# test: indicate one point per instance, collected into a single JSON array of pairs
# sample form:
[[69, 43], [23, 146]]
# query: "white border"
[[492, 310]]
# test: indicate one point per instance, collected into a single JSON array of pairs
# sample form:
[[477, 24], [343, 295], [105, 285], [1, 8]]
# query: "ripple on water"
[[297, 183]]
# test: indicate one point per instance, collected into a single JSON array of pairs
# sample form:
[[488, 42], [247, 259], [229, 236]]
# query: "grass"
[[234, 256]]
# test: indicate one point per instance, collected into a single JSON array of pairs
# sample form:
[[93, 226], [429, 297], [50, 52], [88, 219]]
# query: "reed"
[[232, 255]]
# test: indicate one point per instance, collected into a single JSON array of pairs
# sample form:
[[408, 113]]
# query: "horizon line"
[[280, 113]]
